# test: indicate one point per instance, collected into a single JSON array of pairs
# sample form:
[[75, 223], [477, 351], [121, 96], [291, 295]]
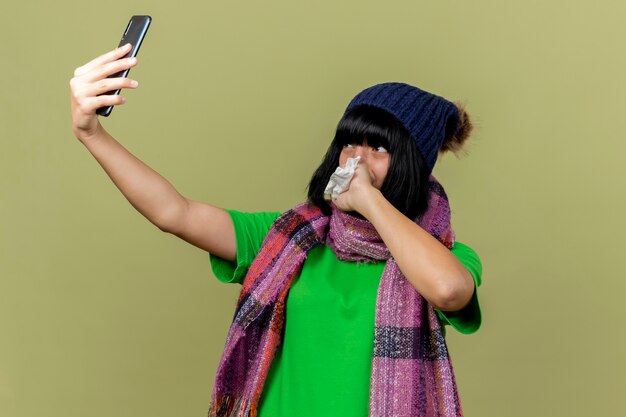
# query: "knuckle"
[[76, 95], [80, 102]]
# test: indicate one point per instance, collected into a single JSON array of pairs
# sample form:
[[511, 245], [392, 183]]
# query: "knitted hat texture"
[[428, 118]]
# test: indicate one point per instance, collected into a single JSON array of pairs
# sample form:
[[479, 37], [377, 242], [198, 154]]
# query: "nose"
[[361, 151]]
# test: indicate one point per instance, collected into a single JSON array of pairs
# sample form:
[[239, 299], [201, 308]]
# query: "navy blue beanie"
[[428, 118]]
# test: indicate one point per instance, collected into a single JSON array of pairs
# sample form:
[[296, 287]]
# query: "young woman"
[[343, 302]]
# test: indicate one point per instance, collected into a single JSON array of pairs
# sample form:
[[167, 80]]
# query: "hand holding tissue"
[[340, 179]]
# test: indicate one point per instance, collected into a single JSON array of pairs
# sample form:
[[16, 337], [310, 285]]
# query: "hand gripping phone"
[[134, 34]]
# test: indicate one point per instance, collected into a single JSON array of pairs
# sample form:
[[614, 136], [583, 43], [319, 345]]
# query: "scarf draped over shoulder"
[[411, 370]]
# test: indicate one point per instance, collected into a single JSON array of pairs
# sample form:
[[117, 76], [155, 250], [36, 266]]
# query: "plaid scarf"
[[411, 370]]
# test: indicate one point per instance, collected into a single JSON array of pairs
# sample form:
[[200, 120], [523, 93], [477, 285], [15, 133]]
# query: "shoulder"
[[253, 220]]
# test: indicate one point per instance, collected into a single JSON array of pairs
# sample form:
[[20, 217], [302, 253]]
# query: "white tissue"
[[340, 179]]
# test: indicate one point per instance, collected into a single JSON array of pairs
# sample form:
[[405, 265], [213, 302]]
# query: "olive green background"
[[101, 314]]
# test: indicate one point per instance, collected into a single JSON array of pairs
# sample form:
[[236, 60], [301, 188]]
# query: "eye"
[[348, 145], [381, 149]]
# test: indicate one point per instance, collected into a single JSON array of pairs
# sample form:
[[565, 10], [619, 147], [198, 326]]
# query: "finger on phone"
[[94, 103], [110, 68], [110, 56], [111, 84]]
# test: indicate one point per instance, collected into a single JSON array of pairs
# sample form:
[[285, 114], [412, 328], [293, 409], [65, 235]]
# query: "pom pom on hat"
[[455, 142]]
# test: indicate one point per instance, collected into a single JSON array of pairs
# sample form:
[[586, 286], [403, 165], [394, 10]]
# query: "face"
[[376, 159]]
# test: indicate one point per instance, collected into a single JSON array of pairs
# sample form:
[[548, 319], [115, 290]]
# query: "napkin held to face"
[[340, 179]]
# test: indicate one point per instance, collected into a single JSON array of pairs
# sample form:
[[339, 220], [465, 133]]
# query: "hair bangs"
[[366, 124]]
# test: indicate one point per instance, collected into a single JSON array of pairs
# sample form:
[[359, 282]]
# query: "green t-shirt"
[[323, 366]]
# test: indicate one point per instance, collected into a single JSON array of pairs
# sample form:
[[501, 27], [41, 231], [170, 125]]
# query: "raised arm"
[[428, 265], [203, 225]]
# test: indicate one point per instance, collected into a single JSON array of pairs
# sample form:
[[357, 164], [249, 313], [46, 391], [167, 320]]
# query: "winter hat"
[[430, 120]]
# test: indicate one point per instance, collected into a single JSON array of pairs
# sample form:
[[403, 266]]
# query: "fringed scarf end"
[[230, 406]]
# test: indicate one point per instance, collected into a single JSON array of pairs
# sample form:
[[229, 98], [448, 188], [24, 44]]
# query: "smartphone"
[[134, 34]]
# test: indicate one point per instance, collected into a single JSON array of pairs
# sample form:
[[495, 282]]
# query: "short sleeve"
[[250, 230], [468, 319]]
